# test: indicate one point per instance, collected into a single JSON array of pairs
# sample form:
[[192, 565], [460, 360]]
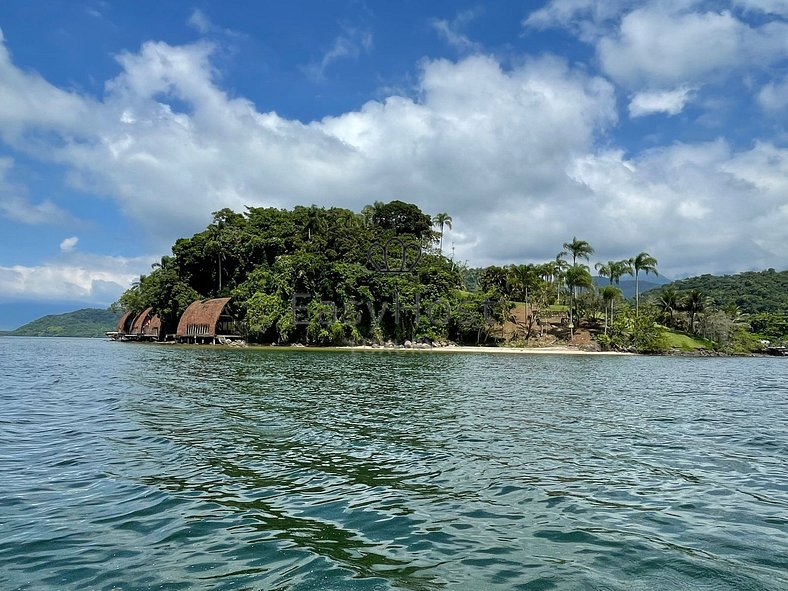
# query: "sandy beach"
[[557, 350]]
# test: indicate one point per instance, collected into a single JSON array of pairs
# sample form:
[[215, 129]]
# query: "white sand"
[[559, 350]]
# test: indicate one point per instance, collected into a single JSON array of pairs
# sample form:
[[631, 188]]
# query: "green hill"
[[88, 322], [752, 292]]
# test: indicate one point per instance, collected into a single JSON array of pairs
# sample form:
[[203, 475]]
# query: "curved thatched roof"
[[124, 324], [153, 328], [201, 317], [139, 322]]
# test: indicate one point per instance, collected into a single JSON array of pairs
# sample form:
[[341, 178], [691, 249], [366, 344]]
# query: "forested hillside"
[[318, 276], [332, 276], [751, 292], [88, 322]]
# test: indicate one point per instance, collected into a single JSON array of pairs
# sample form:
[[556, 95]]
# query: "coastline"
[[556, 350]]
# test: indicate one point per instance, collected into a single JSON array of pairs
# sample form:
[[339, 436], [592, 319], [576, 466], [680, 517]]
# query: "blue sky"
[[657, 126]]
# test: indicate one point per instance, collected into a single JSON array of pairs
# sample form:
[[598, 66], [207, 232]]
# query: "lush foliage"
[[88, 322], [321, 276], [751, 292]]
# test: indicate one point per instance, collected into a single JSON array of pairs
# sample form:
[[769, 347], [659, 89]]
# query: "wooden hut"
[[146, 326], [124, 326], [152, 330], [141, 320], [208, 321]]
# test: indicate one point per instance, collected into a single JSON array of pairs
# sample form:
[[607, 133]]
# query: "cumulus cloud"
[[657, 47], [720, 209], [77, 277], [511, 154], [69, 244], [671, 102]]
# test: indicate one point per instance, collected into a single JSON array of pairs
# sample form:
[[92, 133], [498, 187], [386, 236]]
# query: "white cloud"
[[15, 206], [588, 19], [30, 103], [671, 102], [350, 45], [774, 95], [77, 277], [699, 208], [671, 44], [69, 244], [451, 31], [779, 7], [199, 22], [511, 154], [655, 47]]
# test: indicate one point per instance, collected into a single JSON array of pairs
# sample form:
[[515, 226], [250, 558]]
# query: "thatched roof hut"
[[137, 327], [152, 330], [205, 319], [125, 322]]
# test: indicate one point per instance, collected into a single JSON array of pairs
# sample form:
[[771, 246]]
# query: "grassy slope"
[[88, 322], [684, 342]]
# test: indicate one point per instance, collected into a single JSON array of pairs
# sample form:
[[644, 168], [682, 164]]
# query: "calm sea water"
[[129, 466]]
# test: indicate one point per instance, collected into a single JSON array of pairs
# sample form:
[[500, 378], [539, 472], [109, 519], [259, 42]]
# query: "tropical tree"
[[694, 304], [646, 263], [441, 220], [668, 304], [579, 249], [604, 270], [609, 295], [577, 276], [559, 267]]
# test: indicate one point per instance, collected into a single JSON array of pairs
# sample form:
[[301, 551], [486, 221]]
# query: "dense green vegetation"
[[88, 322], [322, 276], [751, 292], [333, 276]]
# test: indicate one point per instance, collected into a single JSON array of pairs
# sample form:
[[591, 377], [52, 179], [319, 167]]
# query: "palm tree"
[[314, 220], [577, 276], [646, 263], [579, 249], [558, 268], [695, 304], [609, 295], [668, 303], [618, 269], [442, 219], [605, 270]]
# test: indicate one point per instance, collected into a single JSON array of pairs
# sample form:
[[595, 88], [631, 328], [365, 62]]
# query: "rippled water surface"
[[129, 466]]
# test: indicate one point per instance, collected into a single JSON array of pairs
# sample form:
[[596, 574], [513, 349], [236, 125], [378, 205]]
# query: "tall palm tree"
[[668, 303], [442, 219], [579, 249], [604, 270], [646, 263], [695, 304], [577, 276], [618, 269], [609, 295]]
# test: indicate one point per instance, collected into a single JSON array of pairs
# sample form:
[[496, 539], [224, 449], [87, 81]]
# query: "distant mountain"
[[752, 292], [88, 322], [627, 286]]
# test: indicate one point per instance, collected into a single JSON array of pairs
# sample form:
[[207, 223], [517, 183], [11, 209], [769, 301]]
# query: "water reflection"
[[239, 469]]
